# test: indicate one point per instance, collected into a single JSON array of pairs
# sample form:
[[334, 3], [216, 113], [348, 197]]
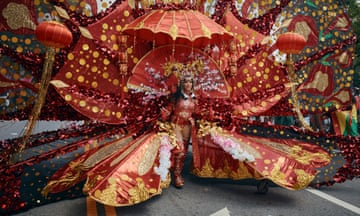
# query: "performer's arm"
[[166, 111]]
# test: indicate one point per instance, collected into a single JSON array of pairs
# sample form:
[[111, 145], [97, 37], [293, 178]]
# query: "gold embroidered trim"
[[303, 178], [106, 151], [295, 152], [128, 151], [140, 192], [208, 171], [148, 158]]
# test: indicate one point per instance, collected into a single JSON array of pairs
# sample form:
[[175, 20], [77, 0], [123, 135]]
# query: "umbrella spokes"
[[180, 26]]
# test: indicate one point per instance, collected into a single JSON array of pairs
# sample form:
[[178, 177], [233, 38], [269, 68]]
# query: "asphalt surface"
[[212, 197], [215, 197]]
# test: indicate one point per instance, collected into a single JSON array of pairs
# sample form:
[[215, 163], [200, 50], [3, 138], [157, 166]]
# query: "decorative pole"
[[123, 62], [53, 35], [292, 43], [233, 60]]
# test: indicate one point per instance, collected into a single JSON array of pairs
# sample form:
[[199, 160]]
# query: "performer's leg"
[[179, 159], [180, 156]]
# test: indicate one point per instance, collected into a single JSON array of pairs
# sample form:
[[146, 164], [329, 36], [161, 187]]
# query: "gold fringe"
[[41, 96], [294, 94]]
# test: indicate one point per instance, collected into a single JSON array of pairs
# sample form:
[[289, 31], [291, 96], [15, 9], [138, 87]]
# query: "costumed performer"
[[180, 114]]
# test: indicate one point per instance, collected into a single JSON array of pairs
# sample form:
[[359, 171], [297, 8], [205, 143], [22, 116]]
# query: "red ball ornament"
[[291, 43], [53, 34]]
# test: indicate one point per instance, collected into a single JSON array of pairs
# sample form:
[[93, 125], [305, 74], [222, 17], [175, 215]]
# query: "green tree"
[[353, 10]]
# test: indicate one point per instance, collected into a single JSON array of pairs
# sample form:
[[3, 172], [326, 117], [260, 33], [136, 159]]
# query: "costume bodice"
[[183, 110]]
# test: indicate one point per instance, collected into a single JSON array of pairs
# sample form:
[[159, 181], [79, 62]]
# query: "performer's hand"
[[192, 121], [164, 113]]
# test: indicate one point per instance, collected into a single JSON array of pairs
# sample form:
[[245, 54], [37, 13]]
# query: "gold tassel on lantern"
[[41, 96], [53, 35], [292, 43], [294, 95]]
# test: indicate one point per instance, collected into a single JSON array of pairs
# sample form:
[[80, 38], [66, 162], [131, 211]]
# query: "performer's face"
[[187, 84]]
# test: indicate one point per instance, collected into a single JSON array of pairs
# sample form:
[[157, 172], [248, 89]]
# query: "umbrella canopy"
[[156, 72], [189, 27]]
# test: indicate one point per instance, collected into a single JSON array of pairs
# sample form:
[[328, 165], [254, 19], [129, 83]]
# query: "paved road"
[[205, 197]]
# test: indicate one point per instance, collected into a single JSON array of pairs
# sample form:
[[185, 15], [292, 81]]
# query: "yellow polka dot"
[[70, 56], [27, 41], [94, 69], [115, 47], [68, 75], [82, 103], [135, 60], [104, 5], [95, 109], [107, 112], [16, 76], [81, 78], [85, 47], [115, 82], [19, 49], [82, 61], [4, 37], [105, 75], [106, 62], [105, 26], [3, 71], [96, 54], [68, 97], [14, 39], [125, 89], [118, 28], [118, 114], [94, 84]]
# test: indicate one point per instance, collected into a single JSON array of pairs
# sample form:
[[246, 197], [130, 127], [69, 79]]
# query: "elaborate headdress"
[[181, 70]]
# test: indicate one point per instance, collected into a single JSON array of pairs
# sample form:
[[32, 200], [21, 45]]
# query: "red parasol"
[[189, 27], [156, 72]]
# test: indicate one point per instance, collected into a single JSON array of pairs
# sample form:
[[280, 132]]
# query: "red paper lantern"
[[53, 34], [291, 43]]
